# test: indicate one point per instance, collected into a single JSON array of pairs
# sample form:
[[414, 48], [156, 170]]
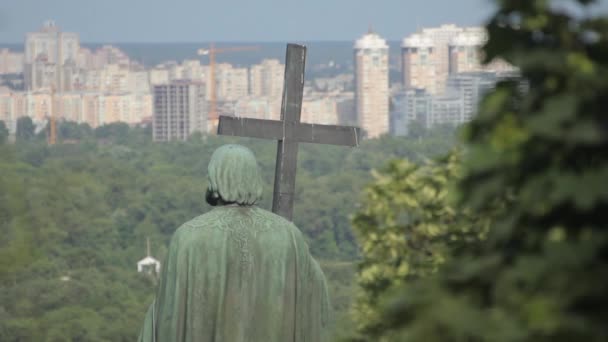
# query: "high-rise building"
[[41, 75], [115, 79], [57, 46], [179, 110], [84, 107], [338, 83], [410, 106], [371, 85], [109, 54], [11, 62], [416, 108], [266, 78], [139, 81], [319, 109], [456, 106], [231, 83], [158, 76], [430, 56], [192, 70], [426, 54], [258, 108], [465, 50], [85, 59], [448, 109], [12, 106], [176, 71], [419, 63], [471, 87], [50, 47]]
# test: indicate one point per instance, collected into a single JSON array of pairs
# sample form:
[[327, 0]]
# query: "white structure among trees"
[[148, 264]]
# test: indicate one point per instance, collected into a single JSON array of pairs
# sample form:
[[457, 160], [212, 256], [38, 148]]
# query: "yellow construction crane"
[[213, 116], [58, 78], [52, 122]]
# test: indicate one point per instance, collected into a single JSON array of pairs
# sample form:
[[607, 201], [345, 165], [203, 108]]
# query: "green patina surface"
[[238, 272]]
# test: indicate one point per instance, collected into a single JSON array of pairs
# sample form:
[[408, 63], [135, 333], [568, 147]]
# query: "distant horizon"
[[214, 42], [153, 53]]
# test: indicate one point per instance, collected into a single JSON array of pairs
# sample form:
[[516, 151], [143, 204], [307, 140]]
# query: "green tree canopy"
[[74, 219], [4, 133], [25, 129], [407, 226]]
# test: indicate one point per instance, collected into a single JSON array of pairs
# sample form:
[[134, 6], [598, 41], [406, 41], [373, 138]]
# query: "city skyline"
[[104, 85], [114, 21]]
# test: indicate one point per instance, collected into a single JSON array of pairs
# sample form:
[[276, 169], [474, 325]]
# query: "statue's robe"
[[238, 274]]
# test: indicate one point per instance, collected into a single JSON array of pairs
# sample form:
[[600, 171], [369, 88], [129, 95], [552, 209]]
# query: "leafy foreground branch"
[[538, 150], [407, 227]]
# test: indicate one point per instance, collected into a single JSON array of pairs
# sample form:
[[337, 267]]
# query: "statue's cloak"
[[238, 273]]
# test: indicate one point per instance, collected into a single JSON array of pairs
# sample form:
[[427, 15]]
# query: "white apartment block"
[[56, 46], [266, 78], [47, 49], [371, 85], [93, 108], [158, 76], [231, 83], [427, 54], [268, 108], [11, 62], [419, 63], [431, 55], [139, 82], [193, 70], [319, 109], [11, 108]]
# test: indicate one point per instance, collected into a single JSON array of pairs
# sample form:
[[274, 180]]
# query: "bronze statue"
[[238, 273]]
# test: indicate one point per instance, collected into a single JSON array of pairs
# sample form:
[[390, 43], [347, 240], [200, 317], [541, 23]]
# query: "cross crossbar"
[[298, 131], [289, 131]]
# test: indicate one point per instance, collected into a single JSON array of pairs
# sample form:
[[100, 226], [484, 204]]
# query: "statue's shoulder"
[[200, 224], [280, 222], [230, 219], [273, 219], [263, 214]]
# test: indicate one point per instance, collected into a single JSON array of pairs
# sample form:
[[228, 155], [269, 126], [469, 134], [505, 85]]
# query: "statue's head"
[[233, 177]]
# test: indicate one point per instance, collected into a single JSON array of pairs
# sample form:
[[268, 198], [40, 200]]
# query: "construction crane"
[[58, 71], [213, 116], [52, 122]]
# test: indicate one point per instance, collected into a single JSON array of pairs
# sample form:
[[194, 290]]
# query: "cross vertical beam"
[[289, 131], [287, 149]]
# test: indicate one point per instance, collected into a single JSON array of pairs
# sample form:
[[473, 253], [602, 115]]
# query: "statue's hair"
[[233, 177]]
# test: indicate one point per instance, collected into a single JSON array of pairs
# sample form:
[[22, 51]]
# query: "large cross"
[[289, 131]]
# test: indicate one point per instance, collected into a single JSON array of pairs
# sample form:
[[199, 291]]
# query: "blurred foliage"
[[4, 133], [407, 226], [535, 166], [25, 129], [74, 218]]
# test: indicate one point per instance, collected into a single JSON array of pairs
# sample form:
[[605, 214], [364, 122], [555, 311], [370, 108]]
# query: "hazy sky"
[[234, 20]]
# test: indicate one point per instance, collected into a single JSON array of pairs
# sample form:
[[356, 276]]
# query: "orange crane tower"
[[52, 122], [213, 116], [58, 78]]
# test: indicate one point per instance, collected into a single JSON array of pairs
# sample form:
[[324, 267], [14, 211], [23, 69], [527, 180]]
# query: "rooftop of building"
[[49, 26], [473, 36], [417, 40], [371, 40], [425, 37]]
